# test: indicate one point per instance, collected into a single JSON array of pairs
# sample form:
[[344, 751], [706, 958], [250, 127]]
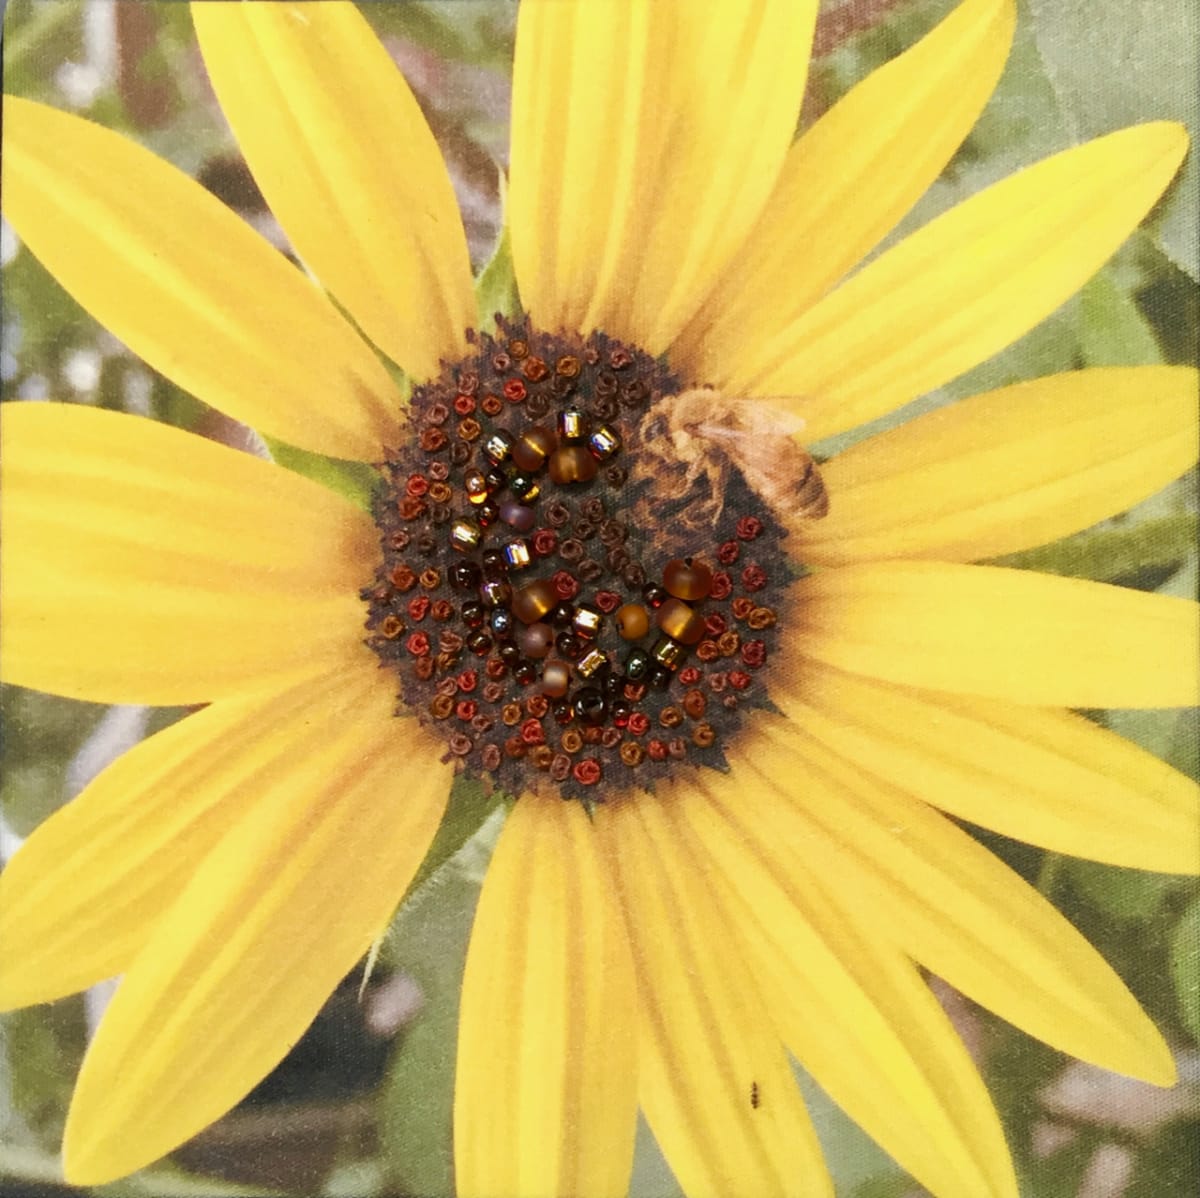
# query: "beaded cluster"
[[535, 597]]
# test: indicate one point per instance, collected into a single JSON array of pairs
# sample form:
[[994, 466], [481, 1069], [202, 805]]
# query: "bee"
[[755, 1096], [759, 439]]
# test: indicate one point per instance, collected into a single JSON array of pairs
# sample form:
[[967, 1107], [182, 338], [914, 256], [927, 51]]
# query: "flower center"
[[576, 590]]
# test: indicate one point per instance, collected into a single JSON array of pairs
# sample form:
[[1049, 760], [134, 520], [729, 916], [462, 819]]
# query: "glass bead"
[[633, 621], [494, 565], [603, 443], [496, 480], [637, 665], [479, 643], [517, 515], [562, 615], [563, 712], [568, 645], [659, 678], [590, 706], [654, 595], [535, 640], [534, 447], [524, 487], [687, 578], [465, 536], [473, 614], [534, 600], [495, 592], [502, 622], [465, 576], [591, 663], [680, 622], [476, 485], [586, 621], [517, 554], [572, 464], [509, 653], [556, 678], [572, 426], [498, 447], [525, 673], [667, 652], [487, 512]]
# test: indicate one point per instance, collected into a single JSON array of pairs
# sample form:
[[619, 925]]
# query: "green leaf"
[[1113, 330], [1185, 967], [1126, 894], [496, 287], [468, 809], [356, 481], [1136, 64]]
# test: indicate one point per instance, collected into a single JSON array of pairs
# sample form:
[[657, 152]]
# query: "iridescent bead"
[[633, 622], [687, 578], [517, 554], [534, 600], [668, 653], [586, 621], [502, 622], [495, 592], [591, 663], [535, 640], [572, 464], [637, 665], [556, 677], [603, 443], [476, 485], [524, 487], [572, 427], [680, 622], [498, 447], [534, 447], [590, 706], [464, 535]]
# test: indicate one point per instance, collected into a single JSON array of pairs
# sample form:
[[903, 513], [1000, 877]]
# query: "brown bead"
[[534, 447], [535, 640], [533, 601], [694, 703], [687, 578], [441, 707], [572, 464], [633, 622], [632, 753], [556, 678], [680, 622], [670, 717], [703, 735]]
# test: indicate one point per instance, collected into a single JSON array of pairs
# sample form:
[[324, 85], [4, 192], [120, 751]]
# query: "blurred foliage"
[[1078, 69]]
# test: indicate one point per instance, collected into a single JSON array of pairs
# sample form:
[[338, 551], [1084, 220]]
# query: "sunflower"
[[738, 737]]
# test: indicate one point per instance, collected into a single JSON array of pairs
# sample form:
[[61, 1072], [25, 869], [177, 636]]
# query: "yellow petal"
[[848, 180], [1007, 634], [545, 1102], [190, 287], [924, 884], [634, 179], [713, 1078], [340, 150], [852, 1009], [83, 894], [1008, 470], [269, 923], [1046, 777], [964, 286], [144, 564]]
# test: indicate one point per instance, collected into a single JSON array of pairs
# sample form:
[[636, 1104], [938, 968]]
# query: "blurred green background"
[[362, 1106]]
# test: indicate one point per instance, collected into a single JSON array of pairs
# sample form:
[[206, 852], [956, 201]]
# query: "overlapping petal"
[[144, 564], [963, 287], [925, 885], [1008, 634], [190, 287], [633, 178], [83, 894], [1008, 470], [373, 214], [847, 181], [546, 1092], [853, 1010], [271, 920], [1049, 778], [713, 1078]]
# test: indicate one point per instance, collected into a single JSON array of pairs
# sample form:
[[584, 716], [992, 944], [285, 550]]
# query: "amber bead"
[[572, 464], [556, 677], [680, 622], [668, 653], [633, 621], [533, 601], [534, 447], [687, 578]]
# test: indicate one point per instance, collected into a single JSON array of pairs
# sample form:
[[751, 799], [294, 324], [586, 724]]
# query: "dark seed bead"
[[568, 645], [466, 576], [637, 665], [590, 705], [562, 615], [488, 513], [502, 622], [654, 595], [614, 684], [525, 673], [479, 643], [473, 614], [494, 565], [495, 480], [509, 653], [659, 678], [563, 712], [524, 487], [620, 712], [495, 592]]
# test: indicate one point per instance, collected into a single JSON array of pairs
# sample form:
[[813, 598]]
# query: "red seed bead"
[[680, 622], [633, 621], [533, 601], [572, 464], [687, 578]]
